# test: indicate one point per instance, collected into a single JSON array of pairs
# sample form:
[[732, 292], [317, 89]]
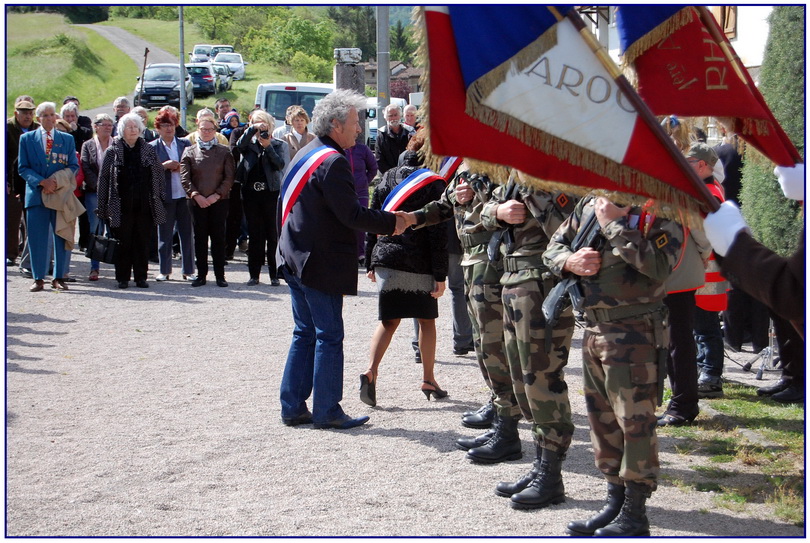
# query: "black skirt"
[[405, 295]]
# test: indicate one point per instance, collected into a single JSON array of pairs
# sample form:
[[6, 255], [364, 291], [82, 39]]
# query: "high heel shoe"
[[436, 392], [368, 391]]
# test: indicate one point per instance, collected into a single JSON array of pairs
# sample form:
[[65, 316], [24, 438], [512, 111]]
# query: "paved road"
[[134, 47]]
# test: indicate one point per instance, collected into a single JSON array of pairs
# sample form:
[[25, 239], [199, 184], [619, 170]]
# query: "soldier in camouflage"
[[537, 356], [463, 200], [621, 282]]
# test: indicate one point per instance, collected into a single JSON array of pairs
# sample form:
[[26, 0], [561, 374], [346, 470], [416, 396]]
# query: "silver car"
[[234, 62]]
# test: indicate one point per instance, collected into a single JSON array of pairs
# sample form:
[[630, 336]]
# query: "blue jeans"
[[709, 339], [91, 204], [462, 327], [315, 360]]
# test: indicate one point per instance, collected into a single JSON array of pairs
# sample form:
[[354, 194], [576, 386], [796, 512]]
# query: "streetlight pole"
[[183, 104]]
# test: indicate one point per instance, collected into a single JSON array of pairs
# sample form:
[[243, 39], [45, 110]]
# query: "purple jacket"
[[364, 168]]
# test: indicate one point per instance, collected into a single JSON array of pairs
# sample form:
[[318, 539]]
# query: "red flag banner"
[[693, 71], [561, 119]]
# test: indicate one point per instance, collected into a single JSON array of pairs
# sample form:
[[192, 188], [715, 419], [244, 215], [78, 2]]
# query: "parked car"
[[161, 86], [204, 78], [234, 62], [224, 76], [275, 98], [217, 49], [200, 53]]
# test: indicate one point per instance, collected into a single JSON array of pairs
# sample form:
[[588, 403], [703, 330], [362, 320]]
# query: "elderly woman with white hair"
[[130, 198], [262, 161]]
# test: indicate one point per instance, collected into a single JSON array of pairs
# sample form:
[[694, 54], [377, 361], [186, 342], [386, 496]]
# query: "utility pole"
[[383, 64], [183, 98], [350, 75]]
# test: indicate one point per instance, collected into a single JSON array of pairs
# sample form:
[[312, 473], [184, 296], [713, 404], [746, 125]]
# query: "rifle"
[[505, 235], [556, 301]]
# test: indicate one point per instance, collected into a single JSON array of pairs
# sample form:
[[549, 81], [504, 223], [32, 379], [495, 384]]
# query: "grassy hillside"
[[49, 59], [165, 34]]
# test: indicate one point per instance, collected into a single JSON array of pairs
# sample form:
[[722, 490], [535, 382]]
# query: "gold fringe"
[[664, 30], [484, 85]]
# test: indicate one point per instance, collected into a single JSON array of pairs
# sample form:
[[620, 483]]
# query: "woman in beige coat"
[[298, 136]]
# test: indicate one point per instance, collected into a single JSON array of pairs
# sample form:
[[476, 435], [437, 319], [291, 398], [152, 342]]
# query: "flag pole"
[[731, 55], [641, 108]]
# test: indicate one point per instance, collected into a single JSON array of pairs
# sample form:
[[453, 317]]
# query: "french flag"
[[409, 185], [519, 86]]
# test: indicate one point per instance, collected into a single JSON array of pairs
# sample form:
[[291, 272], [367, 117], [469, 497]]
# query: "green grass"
[[49, 59], [778, 469], [164, 34]]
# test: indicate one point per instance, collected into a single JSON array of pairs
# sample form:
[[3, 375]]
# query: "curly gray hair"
[[335, 106], [133, 118]]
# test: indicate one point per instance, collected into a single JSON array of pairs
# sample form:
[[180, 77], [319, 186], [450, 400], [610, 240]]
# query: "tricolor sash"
[[298, 176], [449, 167], [412, 183]]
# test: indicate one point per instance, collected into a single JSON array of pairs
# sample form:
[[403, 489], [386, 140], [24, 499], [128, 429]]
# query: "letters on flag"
[[298, 175], [530, 94], [409, 185], [682, 69]]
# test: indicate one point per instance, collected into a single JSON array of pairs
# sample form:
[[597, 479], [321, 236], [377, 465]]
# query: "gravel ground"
[[154, 412]]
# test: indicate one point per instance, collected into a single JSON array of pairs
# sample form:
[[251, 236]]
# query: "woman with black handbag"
[[130, 198], [91, 161], [260, 170]]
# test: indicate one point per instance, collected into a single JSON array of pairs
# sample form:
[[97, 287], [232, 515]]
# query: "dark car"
[[204, 78], [161, 86]]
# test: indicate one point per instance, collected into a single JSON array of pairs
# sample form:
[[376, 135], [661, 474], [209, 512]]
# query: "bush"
[[311, 68], [775, 220]]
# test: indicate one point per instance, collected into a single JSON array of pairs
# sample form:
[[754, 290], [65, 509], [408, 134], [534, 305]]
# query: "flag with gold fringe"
[[683, 64], [519, 87]]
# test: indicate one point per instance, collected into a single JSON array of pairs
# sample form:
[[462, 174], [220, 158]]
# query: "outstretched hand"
[[404, 221]]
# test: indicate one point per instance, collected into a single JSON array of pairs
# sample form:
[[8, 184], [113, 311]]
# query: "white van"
[[275, 98]]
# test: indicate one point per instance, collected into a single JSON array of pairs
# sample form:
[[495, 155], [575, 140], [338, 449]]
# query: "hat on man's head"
[[703, 152], [24, 105], [62, 125]]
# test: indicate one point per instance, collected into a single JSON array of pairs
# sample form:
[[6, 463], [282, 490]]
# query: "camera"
[[264, 134]]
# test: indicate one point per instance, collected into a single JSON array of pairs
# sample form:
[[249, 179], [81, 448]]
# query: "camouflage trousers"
[[486, 309], [620, 378], [538, 377]]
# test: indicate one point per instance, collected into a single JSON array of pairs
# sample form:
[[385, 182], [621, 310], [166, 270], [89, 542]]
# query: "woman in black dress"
[[410, 271]]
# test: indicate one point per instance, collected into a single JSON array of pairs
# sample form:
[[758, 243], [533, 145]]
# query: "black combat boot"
[[467, 443], [613, 504], [503, 446], [483, 418], [506, 489], [547, 487], [632, 520]]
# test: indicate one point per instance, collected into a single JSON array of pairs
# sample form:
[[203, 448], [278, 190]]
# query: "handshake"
[[404, 221]]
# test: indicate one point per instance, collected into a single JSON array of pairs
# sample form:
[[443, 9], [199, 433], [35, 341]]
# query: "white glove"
[[792, 180], [723, 225]]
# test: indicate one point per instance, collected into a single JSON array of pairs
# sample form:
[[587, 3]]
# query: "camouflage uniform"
[[625, 341], [483, 289], [537, 375]]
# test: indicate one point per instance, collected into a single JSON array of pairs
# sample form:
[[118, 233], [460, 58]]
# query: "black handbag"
[[101, 247]]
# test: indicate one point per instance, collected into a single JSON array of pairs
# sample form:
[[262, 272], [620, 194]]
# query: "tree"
[[402, 47], [775, 220], [356, 27]]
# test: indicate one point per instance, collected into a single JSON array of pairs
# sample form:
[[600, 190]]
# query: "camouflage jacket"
[[471, 232], [634, 266], [523, 247]]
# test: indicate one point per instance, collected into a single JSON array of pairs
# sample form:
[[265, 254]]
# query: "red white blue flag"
[[409, 185], [449, 167], [684, 65], [298, 175], [517, 85]]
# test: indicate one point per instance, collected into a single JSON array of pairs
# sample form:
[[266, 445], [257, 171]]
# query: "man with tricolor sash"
[[317, 253]]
